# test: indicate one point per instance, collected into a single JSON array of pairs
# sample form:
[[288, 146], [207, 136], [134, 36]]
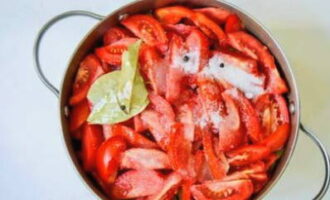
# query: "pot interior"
[[93, 38]]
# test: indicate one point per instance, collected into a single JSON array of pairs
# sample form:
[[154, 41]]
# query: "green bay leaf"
[[119, 95]]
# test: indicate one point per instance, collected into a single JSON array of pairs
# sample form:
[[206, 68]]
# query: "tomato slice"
[[162, 106], [141, 158], [185, 116], [107, 158], [247, 154], [223, 190], [230, 133], [218, 167], [78, 115], [277, 139], [112, 53], [179, 149], [239, 60], [175, 73], [249, 45], [233, 24], [114, 34], [186, 193], [171, 184], [174, 14], [154, 68], [273, 111], [137, 183], [89, 70], [181, 29], [210, 28], [135, 139], [138, 124], [209, 93], [153, 121], [92, 138], [249, 115], [148, 29], [219, 15]]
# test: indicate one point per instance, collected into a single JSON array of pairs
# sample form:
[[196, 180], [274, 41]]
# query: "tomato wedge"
[[247, 154], [133, 138], [219, 15], [239, 60], [141, 158], [233, 24], [277, 139], [89, 70], [179, 149], [181, 29], [114, 34], [148, 29], [169, 188], [175, 73], [223, 190], [218, 167], [248, 114], [230, 133], [137, 183], [79, 115], [249, 45], [112, 53], [174, 14], [154, 69], [107, 158], [92, 138], [273, 111]]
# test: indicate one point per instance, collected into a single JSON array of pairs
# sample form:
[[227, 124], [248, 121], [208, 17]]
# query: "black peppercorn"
[[186, 58], [222, 65]]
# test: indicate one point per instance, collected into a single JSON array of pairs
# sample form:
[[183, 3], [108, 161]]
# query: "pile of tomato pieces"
[[199, 138]]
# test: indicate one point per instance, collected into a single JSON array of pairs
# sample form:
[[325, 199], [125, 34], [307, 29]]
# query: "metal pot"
[[96, 33]]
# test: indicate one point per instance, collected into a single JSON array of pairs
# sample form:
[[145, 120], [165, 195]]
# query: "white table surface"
[[33, 161]]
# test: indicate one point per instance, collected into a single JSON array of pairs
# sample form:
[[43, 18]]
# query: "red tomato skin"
[[233, 24], [114, 34], [174, 14], [92, 138], [148, 29], [219, 15], [107, 158], [89, 70], [78, 115]]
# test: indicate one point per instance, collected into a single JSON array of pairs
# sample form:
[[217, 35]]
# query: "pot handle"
[[40, 35], [326, 159]]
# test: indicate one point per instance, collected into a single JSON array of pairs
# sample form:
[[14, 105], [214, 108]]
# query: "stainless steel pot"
[[96, 33]]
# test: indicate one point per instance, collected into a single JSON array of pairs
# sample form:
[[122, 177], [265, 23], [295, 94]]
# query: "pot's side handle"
[[40, 35], [326, 159]]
